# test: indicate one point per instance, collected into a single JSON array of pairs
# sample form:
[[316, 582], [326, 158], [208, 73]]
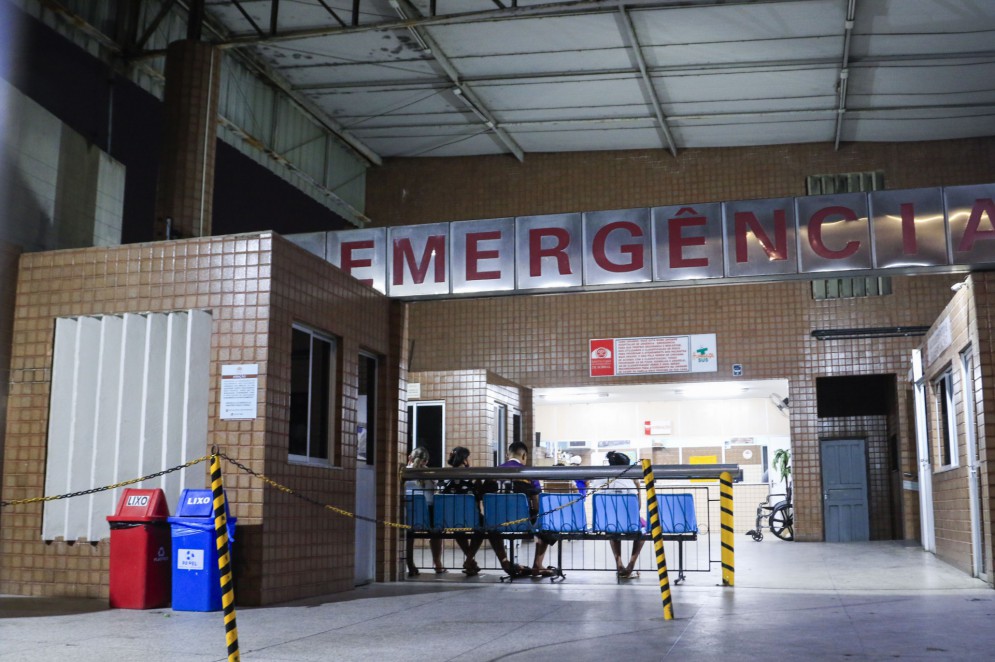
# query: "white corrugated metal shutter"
[[129, 399]]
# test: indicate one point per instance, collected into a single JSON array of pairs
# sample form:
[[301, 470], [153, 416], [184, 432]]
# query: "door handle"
[[825, 496]]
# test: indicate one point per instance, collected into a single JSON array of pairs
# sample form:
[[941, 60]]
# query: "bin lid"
[[199, 503], [141, 506]]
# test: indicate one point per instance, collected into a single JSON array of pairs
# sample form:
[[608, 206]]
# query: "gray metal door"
[[844, 490]]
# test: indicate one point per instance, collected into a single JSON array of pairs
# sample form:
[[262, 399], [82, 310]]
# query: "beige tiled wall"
[[470, 397], [255, 286], [764, 327], [541, 341], [970, 327], [408, 191]]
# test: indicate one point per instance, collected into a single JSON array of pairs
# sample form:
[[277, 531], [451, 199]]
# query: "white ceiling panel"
[[783, 49], [377, 103], [427, 146], [925, 45], [589, 139], [581, 62], [752, 135], [739, 22], [925, 16], [747, 85], [890, 127], [558, 34], [560, 94], [950, 79]]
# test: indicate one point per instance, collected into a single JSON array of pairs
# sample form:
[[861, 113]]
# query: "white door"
[[925, 466], [366, 472], [973, 463]]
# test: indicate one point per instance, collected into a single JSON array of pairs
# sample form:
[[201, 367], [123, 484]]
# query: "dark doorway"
[[427, 430], [859, 484]]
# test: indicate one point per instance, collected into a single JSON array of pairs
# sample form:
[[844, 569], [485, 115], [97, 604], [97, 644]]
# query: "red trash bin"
[[140, 553]]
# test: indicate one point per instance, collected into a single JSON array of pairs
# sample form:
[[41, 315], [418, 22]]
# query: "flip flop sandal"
[[542, 572], [441, 571], [515, 571]]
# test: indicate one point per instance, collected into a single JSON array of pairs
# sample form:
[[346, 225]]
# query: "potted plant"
[[782, 463]]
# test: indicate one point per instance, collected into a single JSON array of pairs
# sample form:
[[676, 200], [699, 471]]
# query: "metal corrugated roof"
[[457, 77]]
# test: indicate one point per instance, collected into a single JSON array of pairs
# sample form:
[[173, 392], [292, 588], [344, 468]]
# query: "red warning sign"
[[603, 357]]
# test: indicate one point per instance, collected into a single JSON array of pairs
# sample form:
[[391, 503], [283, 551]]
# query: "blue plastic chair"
[[501, 508], [616, 513], [416, 512], [568, 519], [455, 511], [677, 513]]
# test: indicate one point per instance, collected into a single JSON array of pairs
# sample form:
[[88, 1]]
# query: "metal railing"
[[589, 550]]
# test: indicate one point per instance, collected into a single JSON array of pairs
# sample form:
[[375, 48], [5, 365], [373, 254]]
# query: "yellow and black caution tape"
[[284, 489], [41, 499]]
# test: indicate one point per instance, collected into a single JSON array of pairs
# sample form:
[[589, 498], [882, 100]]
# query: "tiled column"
[[185, 190]]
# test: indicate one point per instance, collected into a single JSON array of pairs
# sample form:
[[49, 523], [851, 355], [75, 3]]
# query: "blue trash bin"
[[196, 578]]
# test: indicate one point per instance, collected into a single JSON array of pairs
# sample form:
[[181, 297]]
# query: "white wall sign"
[[940, 339], [239, 391], [653, 355]]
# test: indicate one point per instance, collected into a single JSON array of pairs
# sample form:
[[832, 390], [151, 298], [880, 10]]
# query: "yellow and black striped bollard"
[[224, 559], [661, 559], [726, 519]]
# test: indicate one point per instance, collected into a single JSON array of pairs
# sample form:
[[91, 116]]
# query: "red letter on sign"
[[633, 250], [474, 255], [347, 261], [909, 244], [815, 233], [971, 232], [675, 233], [745, 220], [557, 251], [435, 249]]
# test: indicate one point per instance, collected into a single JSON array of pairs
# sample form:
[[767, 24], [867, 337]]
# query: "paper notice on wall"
[[653, 355], [239, 391]]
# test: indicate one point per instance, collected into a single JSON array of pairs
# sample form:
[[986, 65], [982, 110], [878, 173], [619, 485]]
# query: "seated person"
[[460, 457], [616, 459], [518, 454], [419, 459]]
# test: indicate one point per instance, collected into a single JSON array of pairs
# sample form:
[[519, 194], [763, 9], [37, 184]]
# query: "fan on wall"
[[780, 403]]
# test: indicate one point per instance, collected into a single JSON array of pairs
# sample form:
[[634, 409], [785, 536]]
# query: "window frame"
[[946, 421], [331, 416]]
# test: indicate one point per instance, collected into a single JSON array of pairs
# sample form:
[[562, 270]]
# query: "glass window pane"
[[300, 377], [321, 397]]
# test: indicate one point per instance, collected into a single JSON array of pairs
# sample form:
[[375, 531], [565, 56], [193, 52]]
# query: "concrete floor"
[[792, 601]]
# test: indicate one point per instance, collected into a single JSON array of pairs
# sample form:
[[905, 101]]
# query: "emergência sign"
[[904, 231]]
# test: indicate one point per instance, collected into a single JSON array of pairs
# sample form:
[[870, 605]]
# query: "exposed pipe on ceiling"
[[851, 13]]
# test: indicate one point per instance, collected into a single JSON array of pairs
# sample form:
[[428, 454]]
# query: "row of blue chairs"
[[558, 513]]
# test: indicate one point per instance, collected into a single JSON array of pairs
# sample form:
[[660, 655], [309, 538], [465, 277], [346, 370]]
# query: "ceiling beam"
[[705, 69], [544, 10], [756, 116], [851, 12], [461, 90], [651, 94]]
